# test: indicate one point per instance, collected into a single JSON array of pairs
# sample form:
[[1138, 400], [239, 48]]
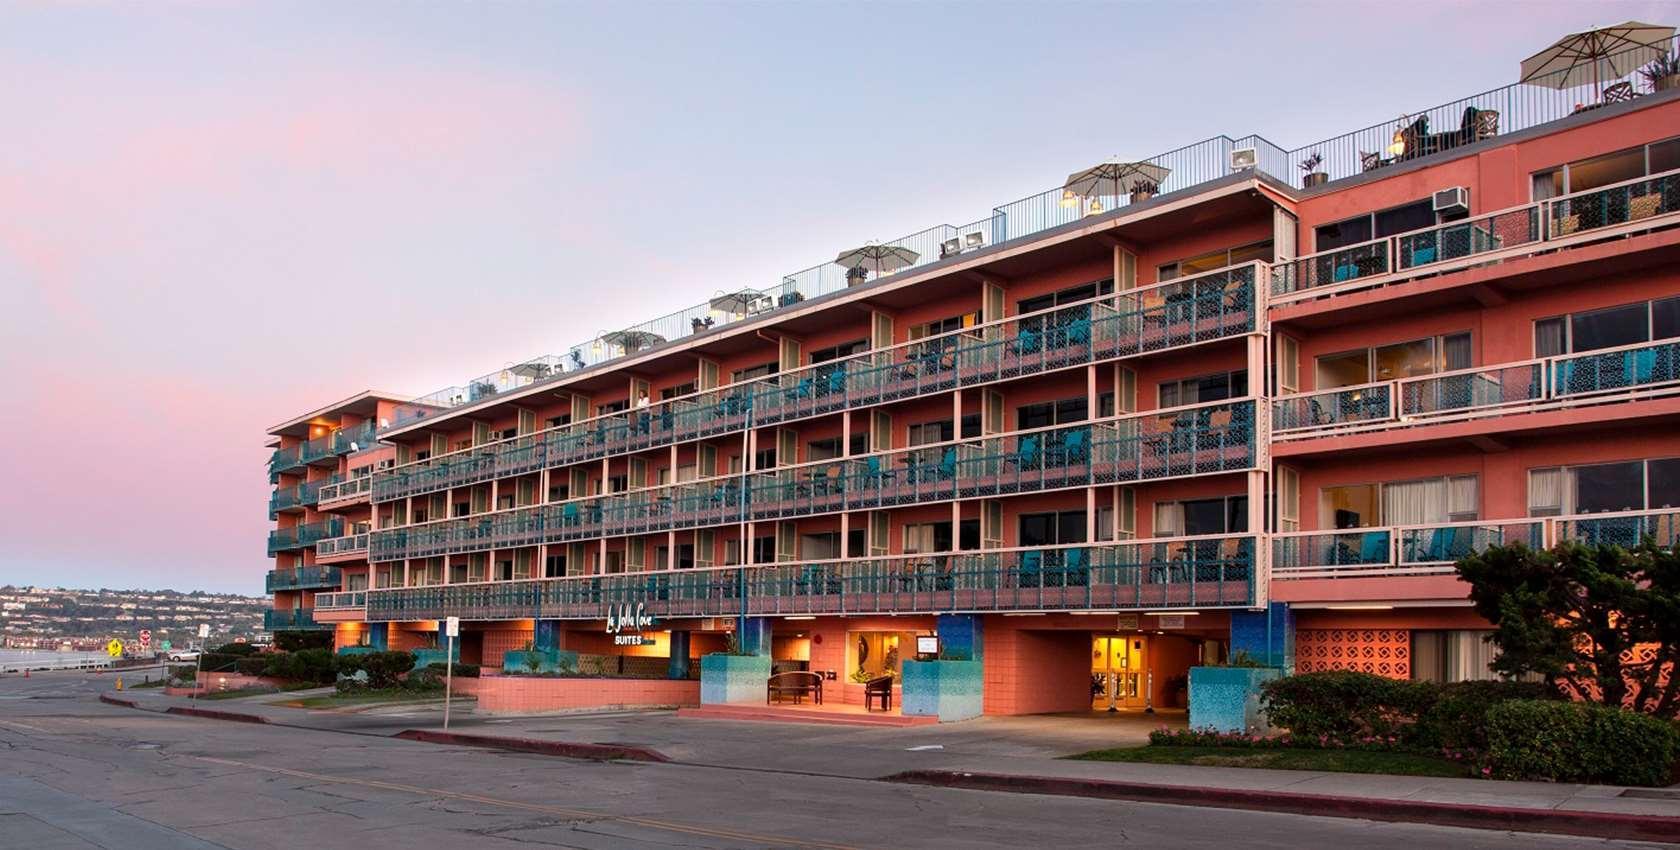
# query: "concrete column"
[[1266, 635], [679, 655]]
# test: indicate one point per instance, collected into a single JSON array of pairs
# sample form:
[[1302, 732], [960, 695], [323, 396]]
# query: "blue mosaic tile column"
[[959, 636], [378, 635], [753, 633], [678, 668], [1268, 636], [547, 635]]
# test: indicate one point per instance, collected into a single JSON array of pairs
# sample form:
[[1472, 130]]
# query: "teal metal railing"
[[1427, 549], [1187, 311], [323, 448], [1193, 440], [304, 535], [303, 577], [1188, 572], [1627, 529], [341, 489], [300, 495], [295, 619]]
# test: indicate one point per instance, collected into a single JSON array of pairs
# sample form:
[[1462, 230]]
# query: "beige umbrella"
[[1113, 175], [1597, 54], [880, 259]]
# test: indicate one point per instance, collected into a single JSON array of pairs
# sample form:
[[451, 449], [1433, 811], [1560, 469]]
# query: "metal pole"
[[198, 676], [1149, 691], [448, 680]]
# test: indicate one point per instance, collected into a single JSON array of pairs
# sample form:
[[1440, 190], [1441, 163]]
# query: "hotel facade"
[[1102, 435]]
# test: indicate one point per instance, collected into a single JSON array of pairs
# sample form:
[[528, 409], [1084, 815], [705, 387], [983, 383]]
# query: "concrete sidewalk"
[[1015, 748]]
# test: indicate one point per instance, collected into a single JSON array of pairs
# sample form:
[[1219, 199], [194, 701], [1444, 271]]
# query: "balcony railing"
[[304, 535], [1197, 439], [1629, 206], [324, 448], [1606, 376], [343, 601], [1435, 548], [347, 545], [295, 619], [1188, 572], [303, 577], [340, 490], [1186, 311]]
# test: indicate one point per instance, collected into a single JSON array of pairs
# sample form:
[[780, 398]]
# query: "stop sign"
[[145, 638]]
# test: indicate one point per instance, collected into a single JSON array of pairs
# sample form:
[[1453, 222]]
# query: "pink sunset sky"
[[216, 216]]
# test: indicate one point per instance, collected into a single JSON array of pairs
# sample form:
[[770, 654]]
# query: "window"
[[677, 391], [1216, 260], [764, 550], [1214, 387], [931, 432], [927, 537], [823, 355], [954, 323], [1070, 295], [1584, 175], [823, 449], [554, 566], [1374, 225], [1050, 529], [1630, 485], [557, 421], [1627, 324], [752, 372], [1049, 413], [1418, 502], [1392, 362], [1218, 515], [613, 407], [1452, 656]]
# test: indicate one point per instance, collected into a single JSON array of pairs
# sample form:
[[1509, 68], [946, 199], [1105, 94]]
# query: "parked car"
[[183, 655]]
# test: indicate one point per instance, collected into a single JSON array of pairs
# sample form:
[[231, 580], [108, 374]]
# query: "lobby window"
[[1212, 260], [1626, 324], [1629, 485], [1417, 502], [1390, 362], [1214, 387], [1190, 517], [1584, 175]]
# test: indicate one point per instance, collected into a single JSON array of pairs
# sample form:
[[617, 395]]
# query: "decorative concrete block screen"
[[1385, 652]]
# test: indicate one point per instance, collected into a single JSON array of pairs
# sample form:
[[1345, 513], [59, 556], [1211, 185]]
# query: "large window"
[[1063, 412], [752, 372], [945, 326], [1375, 225], [1219, 515], [1215, 387], [1392, 362], [1452, 656], [1627, 324], [1585, 175], [1629, 485], [1223, 258], [1071, 295], [1053, 528], [1418, 502]]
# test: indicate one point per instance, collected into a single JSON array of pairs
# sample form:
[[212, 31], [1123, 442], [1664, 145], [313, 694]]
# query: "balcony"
[[1201, 439], [339, 547], [295, 619], [1610, 376], [1434, 549], [353, 600], [1183, 312], [304, 535], [1189, 572], [302, 578], [323, 450], [297, 497], [346, 491], [1633, 206]]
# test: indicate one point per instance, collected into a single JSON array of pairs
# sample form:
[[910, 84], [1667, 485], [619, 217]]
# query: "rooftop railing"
[[1435, 130], [1623, 374], [1199, 439], [1183, 572], [1186, 311], [303, 577]]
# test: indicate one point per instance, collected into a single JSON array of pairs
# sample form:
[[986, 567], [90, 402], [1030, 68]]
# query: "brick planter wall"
[[539, 695]]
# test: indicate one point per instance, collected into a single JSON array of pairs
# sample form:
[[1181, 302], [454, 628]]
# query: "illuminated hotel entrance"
[[1119, 672]]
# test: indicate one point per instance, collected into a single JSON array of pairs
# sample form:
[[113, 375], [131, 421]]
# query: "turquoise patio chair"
[[1373, 547], [1076, 568], [1026, 455], [1031, 573]]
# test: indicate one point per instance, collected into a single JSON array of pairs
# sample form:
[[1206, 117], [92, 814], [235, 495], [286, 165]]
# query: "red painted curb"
[[1554, 821], [597, 752], [216, 715], [125, 703]]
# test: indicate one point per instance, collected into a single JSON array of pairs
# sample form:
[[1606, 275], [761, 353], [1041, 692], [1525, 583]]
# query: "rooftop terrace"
[[1430, 133]]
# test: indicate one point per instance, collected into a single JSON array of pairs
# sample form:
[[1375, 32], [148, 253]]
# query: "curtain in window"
[[1455, 351], [1469, 657], [1549, 492], [1548, 338], [1415, 502], [1169, 519], [1462, 501]]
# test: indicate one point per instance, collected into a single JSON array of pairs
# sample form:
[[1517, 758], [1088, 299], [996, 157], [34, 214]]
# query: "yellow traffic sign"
[[114, 648]]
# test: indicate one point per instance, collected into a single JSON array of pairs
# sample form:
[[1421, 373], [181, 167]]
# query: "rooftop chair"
[[800, 390], [1619, 93]]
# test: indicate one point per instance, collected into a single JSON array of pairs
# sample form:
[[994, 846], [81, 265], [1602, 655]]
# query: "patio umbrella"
[[632, 340], [880, 259], [1597, 54], [1114, 175], [735, 303], [534, 370]]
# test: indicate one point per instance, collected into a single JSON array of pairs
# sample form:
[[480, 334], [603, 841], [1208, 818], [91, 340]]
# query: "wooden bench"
[[797, 684], [879, 688]]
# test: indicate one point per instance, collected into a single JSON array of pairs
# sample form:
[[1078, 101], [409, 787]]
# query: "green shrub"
[[308, 666], [294, 641], [470, 671], [1344, 704], [1563, 741], [253, 666], [1457, 720], [383, 669], [217, 662], [238, 650]]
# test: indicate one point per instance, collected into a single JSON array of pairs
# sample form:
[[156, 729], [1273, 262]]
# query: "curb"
[[594, 752], [1503, 818], [111, 700], [213, 714]]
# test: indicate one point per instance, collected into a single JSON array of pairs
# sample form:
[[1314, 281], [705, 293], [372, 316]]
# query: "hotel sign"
[[628, 618]]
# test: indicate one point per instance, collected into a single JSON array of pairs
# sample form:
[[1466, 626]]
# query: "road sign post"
[[451, 628], [198, 677]]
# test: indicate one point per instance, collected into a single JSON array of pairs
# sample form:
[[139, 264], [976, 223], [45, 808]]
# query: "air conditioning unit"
[[1453, 200], [1243, 159], [388, 463]]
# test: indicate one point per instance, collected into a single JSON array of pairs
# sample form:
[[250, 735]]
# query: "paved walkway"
[[1019, 746]]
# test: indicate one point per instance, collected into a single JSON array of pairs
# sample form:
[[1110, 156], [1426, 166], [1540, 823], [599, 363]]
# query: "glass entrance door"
[[1118, 671]]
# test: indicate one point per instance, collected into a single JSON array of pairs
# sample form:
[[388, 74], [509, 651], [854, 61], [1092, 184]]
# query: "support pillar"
[[678, 668], [753, 635], [546, 636], [379, 636]]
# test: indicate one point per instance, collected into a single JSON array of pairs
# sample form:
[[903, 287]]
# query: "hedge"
[[1344, 704], [1580, 742], [1457, 718], [470, 671], [383, 669]]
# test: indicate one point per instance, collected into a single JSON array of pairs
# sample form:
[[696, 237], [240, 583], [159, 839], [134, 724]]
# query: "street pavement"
[[77, 773]]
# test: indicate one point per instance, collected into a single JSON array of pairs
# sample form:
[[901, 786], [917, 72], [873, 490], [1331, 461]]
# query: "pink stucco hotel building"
[[1215, 402]]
